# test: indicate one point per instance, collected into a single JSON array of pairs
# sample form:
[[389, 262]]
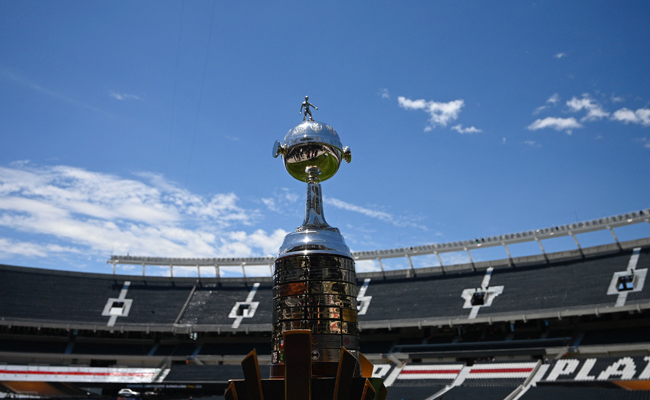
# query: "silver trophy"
[[314, 278], [315, 327]]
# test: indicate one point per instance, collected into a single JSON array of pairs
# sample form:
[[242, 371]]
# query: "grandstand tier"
[[587, 285], [519, 328]]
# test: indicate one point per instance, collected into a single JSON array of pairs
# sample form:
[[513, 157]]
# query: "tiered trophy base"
[[299, 382]]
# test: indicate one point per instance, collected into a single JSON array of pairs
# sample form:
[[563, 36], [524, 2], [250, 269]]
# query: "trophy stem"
[[314, 214]]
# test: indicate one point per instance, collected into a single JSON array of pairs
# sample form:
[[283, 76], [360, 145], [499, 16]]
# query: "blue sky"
[[146, 127]]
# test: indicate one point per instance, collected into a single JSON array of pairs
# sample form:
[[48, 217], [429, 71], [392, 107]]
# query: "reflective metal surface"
[[306, 104], [312, 152], [321, 300], [312, 144], [314, 213], [314, 287], [310, 313], [314, 279], [326, 274], [350, 315], [301, 157], [316, 292], [306, 240], [311, 264]]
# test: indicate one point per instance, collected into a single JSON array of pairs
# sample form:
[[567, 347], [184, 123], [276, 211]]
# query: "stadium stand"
[[204, 373], [574, 323], [166, 304], [571, 393]]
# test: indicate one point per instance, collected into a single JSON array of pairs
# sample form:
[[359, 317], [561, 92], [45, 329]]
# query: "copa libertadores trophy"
[[314, 280], [315, 327]]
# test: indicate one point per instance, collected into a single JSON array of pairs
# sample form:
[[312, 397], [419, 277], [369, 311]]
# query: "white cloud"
[[380, 215], [64, 209], [282, 200], [645, 142], [440, 114], [560, 55], [594, 110], [455, 258], [123, 96], [554, 99], [627, 116], [459, 128], [551, 101], [367, 266], [384, 93], [9, 247], [532, 143], [28, 83], [559, 124], [269, 243]]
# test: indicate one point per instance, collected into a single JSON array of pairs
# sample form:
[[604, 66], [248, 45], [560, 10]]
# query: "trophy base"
[[298, 381]]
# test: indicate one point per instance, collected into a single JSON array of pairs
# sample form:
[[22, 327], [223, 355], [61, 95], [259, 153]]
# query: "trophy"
[[314, 279], [315, 339]]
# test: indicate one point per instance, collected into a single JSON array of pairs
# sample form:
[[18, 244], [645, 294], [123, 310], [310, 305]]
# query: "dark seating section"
[[470, 346], [493, 382], [55, 296], [419, 298], [555, 286], [204, 373], [211, 303], [33, 346], [562, 285], [477, 392], [182, 349], [156, 302], [463, 392], [375, 347], [65, 297], [237, 348], [591, 393], [617, 336], [145, 347], [111, 349], [412, 392]]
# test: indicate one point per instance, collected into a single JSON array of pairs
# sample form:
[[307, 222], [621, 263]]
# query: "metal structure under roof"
[[537, 235]]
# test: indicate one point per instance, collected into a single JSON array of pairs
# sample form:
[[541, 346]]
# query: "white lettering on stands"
[[646, 372], [583, 375], [627, 372], [624, 368], [562, 367]]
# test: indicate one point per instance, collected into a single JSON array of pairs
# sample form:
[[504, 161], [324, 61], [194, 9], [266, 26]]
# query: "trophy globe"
[[312, 145], [312, 152]]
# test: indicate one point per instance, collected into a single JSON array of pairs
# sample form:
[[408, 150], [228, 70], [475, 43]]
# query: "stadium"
[[546, 325]]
